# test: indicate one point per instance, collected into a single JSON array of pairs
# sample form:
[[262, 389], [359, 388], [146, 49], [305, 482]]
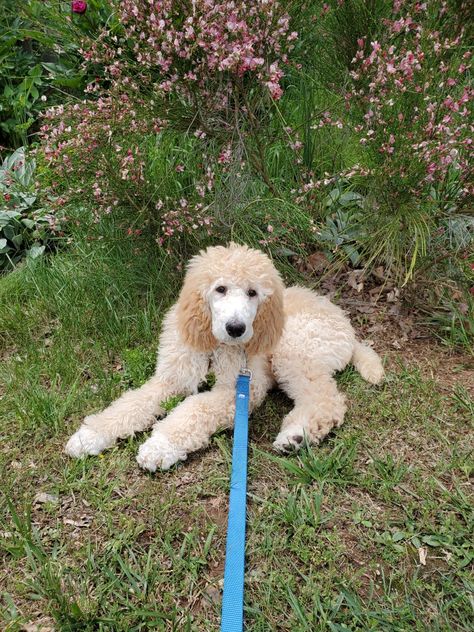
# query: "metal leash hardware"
[[232, 619]]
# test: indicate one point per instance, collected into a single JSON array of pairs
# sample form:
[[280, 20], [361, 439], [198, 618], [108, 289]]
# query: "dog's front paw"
[[159, 453], [290, 439], [86, 441]]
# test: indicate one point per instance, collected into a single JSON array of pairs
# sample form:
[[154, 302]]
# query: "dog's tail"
[[368, 363]]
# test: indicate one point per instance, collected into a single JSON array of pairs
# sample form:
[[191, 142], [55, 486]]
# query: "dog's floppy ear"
[[268, 323], [194, 318]]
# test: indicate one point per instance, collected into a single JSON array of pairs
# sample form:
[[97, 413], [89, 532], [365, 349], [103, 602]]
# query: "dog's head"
[[231, 295]]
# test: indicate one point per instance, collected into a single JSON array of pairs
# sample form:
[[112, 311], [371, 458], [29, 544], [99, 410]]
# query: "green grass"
[[335, 534]]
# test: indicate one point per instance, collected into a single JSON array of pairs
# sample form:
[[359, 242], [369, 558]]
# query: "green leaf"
[[36, 71], [35, 251], [68, 82], [398, 535], [12, 159], [432, 540], [8, 215], [9, 232], [416, 541], [17, 240]]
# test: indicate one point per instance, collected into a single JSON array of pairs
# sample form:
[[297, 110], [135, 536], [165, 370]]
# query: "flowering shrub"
[[405, 103], [200, 50], [189, 116], [39, 42], [412, 91], [203, 67]]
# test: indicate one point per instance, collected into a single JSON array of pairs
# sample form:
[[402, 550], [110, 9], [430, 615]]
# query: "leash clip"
[[245, 371]]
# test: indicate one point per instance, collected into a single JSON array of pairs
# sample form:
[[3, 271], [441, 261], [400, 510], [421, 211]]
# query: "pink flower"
[[225, 156], [78, 6], [275, 89]]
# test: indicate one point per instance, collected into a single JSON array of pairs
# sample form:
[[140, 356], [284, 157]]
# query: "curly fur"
[[299, 340]]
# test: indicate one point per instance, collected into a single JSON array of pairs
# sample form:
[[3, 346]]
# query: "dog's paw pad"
[[159, 453], [289, 440], [86, 441]]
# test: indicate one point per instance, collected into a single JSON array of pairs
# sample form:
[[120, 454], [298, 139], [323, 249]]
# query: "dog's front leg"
[[187, 428], [191, 424], [179, 371], [134, 411]]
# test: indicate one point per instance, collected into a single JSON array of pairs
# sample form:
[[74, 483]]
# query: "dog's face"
[[233, 309], [231, 295]]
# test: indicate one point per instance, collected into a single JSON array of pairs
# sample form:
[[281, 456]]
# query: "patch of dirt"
[[216, 509], [381, 315]]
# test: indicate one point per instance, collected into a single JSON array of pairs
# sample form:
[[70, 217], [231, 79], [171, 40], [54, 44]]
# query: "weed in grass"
[[387, 472], [463, 401], [453, 323], [345, 612], [138, 365], [312, 465], [303, 508]]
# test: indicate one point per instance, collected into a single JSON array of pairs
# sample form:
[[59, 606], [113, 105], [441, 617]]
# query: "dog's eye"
[[221, 289], [251, 293]]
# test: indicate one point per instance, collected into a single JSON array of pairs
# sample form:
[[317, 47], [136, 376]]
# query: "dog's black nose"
[[235, 329]]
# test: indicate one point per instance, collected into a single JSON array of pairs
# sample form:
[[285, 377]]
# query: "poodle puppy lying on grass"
[[234, 309]]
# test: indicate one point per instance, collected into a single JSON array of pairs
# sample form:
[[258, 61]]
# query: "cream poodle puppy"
[[234, 311]]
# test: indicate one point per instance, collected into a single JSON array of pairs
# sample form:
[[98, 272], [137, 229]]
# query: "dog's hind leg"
[[313, 347], [319, 407]]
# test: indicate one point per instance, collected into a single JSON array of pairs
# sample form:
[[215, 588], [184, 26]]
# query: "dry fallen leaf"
[[43, 497], [317, 262], [393, 295], [84, 521], [354, 280], [365, 308], [422, 552], [212, 595], [186, 479], [379, 273]]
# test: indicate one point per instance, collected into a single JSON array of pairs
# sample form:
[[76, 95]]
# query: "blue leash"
[[233, 596]]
